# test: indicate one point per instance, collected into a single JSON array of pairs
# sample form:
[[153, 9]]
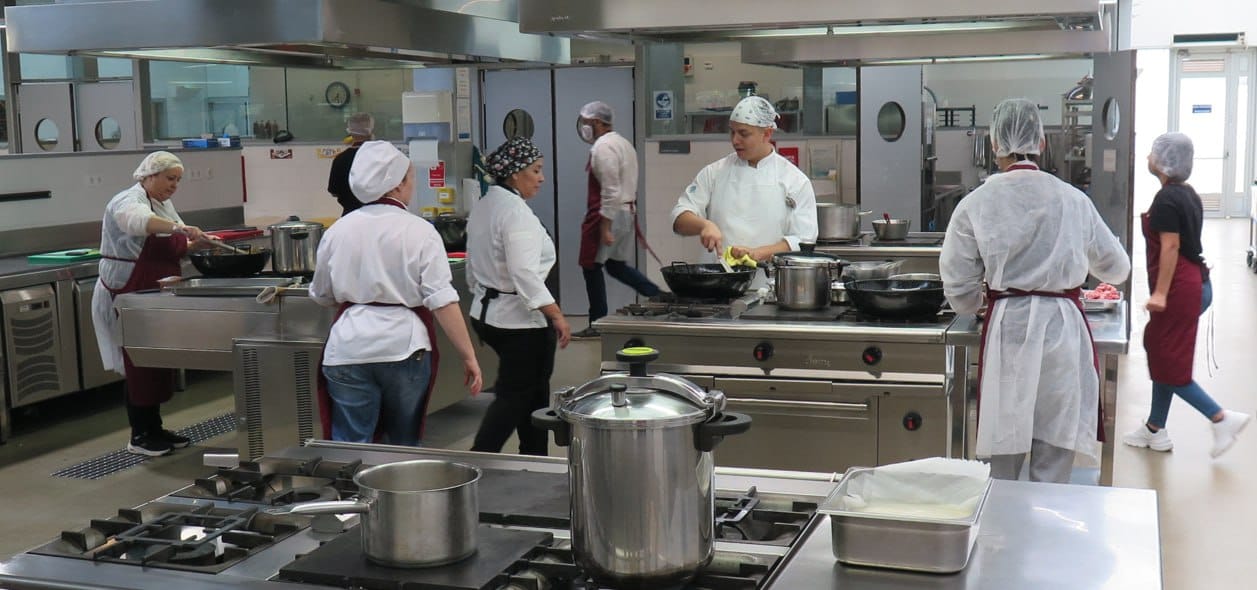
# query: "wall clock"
[[337, 94]]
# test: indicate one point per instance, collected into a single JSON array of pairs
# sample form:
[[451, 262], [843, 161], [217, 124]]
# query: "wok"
[[707, 281], [896, 298], [453, 232], [217, 264]]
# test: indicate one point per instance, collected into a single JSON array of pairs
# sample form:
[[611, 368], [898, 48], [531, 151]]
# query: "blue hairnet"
[[1016, 127], [1172, 154]]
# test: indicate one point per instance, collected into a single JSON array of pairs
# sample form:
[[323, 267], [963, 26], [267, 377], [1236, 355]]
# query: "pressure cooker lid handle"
[[548, 419], [709, 434], [637, 358]]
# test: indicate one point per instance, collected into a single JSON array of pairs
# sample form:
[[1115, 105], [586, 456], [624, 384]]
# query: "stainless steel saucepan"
[[837, 221], [414, 513]]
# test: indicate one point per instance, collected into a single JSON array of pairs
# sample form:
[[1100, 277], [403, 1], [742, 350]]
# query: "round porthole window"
[[47, 135], [108, 133], [1111, 114], [518, 123], [891, 121]]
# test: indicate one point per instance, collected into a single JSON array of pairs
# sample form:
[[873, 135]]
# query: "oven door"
[[801, 425]]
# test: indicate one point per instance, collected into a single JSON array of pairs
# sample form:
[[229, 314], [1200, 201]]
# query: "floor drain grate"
[[118, 460]]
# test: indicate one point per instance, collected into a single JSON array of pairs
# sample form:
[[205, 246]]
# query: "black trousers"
[[525, 364], [144, 419]]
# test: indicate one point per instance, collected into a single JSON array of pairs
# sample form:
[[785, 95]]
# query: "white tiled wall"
[[277, 188]]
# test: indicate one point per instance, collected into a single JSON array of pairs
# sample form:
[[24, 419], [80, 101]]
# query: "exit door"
[[1211, 103]]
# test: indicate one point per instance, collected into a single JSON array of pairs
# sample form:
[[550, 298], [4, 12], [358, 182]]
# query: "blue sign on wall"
[[1202, 108]]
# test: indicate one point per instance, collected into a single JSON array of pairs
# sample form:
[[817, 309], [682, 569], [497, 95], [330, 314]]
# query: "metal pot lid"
[[805, 259], [624, 402], [295, 224]]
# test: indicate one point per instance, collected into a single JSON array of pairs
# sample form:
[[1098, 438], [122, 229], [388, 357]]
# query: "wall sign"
[[281, 153], [436, 175], [663, 105], [327, 153], [1201, 108]]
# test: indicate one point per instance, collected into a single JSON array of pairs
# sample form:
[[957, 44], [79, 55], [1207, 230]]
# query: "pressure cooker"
[[801, 280], [294, 244], [641, 472]]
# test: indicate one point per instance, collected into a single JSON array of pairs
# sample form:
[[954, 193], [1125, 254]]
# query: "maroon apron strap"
[[1072, 294], [591, 225], [325, 399]]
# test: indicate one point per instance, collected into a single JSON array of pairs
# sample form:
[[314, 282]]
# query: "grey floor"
[[1206, 505]]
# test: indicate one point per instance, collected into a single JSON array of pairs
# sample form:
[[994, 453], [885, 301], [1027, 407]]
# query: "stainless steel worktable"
[[1032, 535], [1110, 329], [17, 273]]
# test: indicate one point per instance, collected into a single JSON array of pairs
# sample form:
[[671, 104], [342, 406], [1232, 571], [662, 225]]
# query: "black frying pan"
[[223, 264], [896, 298], [707, 281]]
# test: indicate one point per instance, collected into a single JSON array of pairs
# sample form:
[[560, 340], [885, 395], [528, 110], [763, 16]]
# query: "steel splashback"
[[850, 32], [363, 34]]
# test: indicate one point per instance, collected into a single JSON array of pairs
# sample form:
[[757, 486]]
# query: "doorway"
[[1211, 101]]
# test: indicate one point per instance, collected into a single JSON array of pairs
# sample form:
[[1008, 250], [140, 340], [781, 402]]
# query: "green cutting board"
[[65, 256]]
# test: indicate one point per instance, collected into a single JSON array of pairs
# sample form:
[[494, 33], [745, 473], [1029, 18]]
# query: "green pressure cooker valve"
[[637, 357]]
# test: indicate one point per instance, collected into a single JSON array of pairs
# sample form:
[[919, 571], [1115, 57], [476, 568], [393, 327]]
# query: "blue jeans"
[[596, 285], [1192, 393], [371, 395]]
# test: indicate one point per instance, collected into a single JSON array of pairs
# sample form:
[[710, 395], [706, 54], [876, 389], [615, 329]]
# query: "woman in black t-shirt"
[[1181, 292]]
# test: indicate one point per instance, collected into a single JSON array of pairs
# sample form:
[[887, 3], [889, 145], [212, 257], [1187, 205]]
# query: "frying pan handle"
[[547, 419], [331, 507], [709, 434]]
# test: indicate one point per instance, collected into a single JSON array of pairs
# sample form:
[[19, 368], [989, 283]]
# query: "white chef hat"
[[360, 124], [156, 162], [598, 110], [1172, 155], [755, 110], [1016, 127], [378, 168]]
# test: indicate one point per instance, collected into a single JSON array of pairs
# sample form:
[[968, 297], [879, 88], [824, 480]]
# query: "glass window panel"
[[44, 67], [320, 101], [113, 67], [188, 99]]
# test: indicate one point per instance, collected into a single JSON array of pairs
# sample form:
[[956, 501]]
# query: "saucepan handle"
[[548, 419], [330, 507], [710, 433]]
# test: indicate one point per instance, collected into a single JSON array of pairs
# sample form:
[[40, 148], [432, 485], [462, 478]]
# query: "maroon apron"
[[1170, 336], [1072, 295], [425, 315], [159, 258], [591, 226]]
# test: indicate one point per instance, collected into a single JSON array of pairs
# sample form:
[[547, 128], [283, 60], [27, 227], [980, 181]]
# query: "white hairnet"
[[360, 124], [1172, 154], [377, 169], [755, 110], [156, 162], [598, 110], [1016, 127]]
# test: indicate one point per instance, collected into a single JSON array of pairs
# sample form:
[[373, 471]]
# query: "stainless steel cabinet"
[[39, 364], [92, 372]]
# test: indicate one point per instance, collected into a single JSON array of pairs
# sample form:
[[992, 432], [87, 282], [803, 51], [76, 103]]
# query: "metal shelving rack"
[[1076, 127]]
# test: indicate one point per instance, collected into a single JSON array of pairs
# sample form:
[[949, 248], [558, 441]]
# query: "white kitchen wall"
[[1155, 22], [1152, 117], [81, 184]]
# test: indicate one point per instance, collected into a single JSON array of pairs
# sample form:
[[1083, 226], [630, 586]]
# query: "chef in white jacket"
[[753, 199], [1027, 241]]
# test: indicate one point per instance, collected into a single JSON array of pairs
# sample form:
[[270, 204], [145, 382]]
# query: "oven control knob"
[[872, 355], [912, 421], [763, 351]]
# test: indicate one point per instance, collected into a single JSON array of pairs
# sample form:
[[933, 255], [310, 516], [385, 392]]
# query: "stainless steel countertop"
[[16, 272], [926, 333], [1032, 535], [1109, 328]]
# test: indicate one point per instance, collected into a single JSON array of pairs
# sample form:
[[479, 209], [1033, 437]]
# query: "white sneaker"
[[1146, 439], [1225, 432]]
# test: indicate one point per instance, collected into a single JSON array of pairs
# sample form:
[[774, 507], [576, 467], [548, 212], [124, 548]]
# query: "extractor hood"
[[344, 34], [841, 32]]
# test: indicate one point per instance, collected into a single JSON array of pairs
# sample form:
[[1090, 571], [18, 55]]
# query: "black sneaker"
[[589, 332], [177, 441], [148, 445]]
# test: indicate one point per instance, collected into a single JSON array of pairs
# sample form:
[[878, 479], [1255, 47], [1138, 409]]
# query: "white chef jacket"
[[752, 205], [613, 160], [380, 254], [122, 235], [508, 249], [1028, 230]]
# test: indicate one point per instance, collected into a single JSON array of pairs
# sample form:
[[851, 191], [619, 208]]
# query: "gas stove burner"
[[837, 242], [553, 567], [278, 482], [199, 538], [680, 308], [750, 518]]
